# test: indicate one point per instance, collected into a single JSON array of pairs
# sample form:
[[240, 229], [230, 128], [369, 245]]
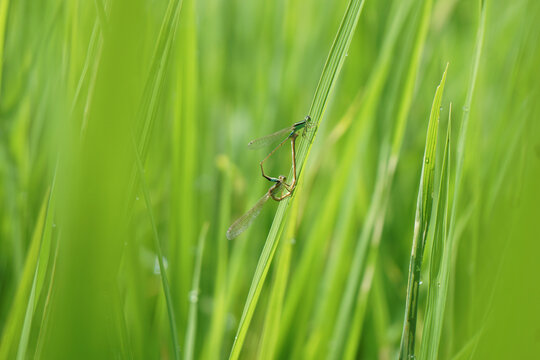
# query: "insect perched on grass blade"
[[289, 133], [240, 225]]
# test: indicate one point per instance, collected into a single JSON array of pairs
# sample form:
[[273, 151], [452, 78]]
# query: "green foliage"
[[439, 260], [123, 133], [329, 76], [421, 226]]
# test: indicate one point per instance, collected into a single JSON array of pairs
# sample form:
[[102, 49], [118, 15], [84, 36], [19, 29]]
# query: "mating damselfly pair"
[[289, 133]]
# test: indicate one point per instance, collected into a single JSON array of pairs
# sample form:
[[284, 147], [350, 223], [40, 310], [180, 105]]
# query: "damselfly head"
[[309, 123]]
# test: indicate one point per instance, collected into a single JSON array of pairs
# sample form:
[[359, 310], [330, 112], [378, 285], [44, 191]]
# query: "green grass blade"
[[156, 75], [193, 83], [329, 76], [159, 253], [379, 304], [462, 137], [421, 227], [194, 297], [338, 201], [351, 342], [43, 262], [17, 327], [371, 233], [453, 229], [4, 6], [214, 339], [270, 346], [272, 320], [368, 236], [185, 136], [440, 261], [408, 90]]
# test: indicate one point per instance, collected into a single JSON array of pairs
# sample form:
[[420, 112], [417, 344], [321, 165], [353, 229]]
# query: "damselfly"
[[285, 134], [240, 225]]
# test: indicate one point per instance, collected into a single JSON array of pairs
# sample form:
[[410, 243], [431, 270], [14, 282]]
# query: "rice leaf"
[[339, 201], [336, 58], [273, 316], [421, 226], [370, 236], [159, 254], [17, 328], [194, 297], [440, 262]]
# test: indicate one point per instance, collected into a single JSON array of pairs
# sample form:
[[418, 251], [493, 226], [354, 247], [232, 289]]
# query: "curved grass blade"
[[370, 236], [4, 6], [421, 226], [329, 76], [157, 244], [454, 227], [156, 75], [16, 329], [269, 338], [440, 261], [343, 182], [194, 297], [270, 139], [465, 122], [185, 138]]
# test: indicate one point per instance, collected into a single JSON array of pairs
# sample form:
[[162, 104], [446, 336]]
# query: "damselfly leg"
[[292, 138], [292, 134]]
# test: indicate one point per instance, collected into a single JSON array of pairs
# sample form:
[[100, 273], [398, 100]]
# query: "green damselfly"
[[291, 133], [240, 225]]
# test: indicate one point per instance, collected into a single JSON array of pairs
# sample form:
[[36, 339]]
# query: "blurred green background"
[[123, 133]]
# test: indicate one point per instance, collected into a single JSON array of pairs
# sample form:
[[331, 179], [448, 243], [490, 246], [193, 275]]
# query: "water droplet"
[[466, 109], [293, 241], [136, 198], [438, 284], [441, 108], [53, 225], [420, 282], [427, 160]]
